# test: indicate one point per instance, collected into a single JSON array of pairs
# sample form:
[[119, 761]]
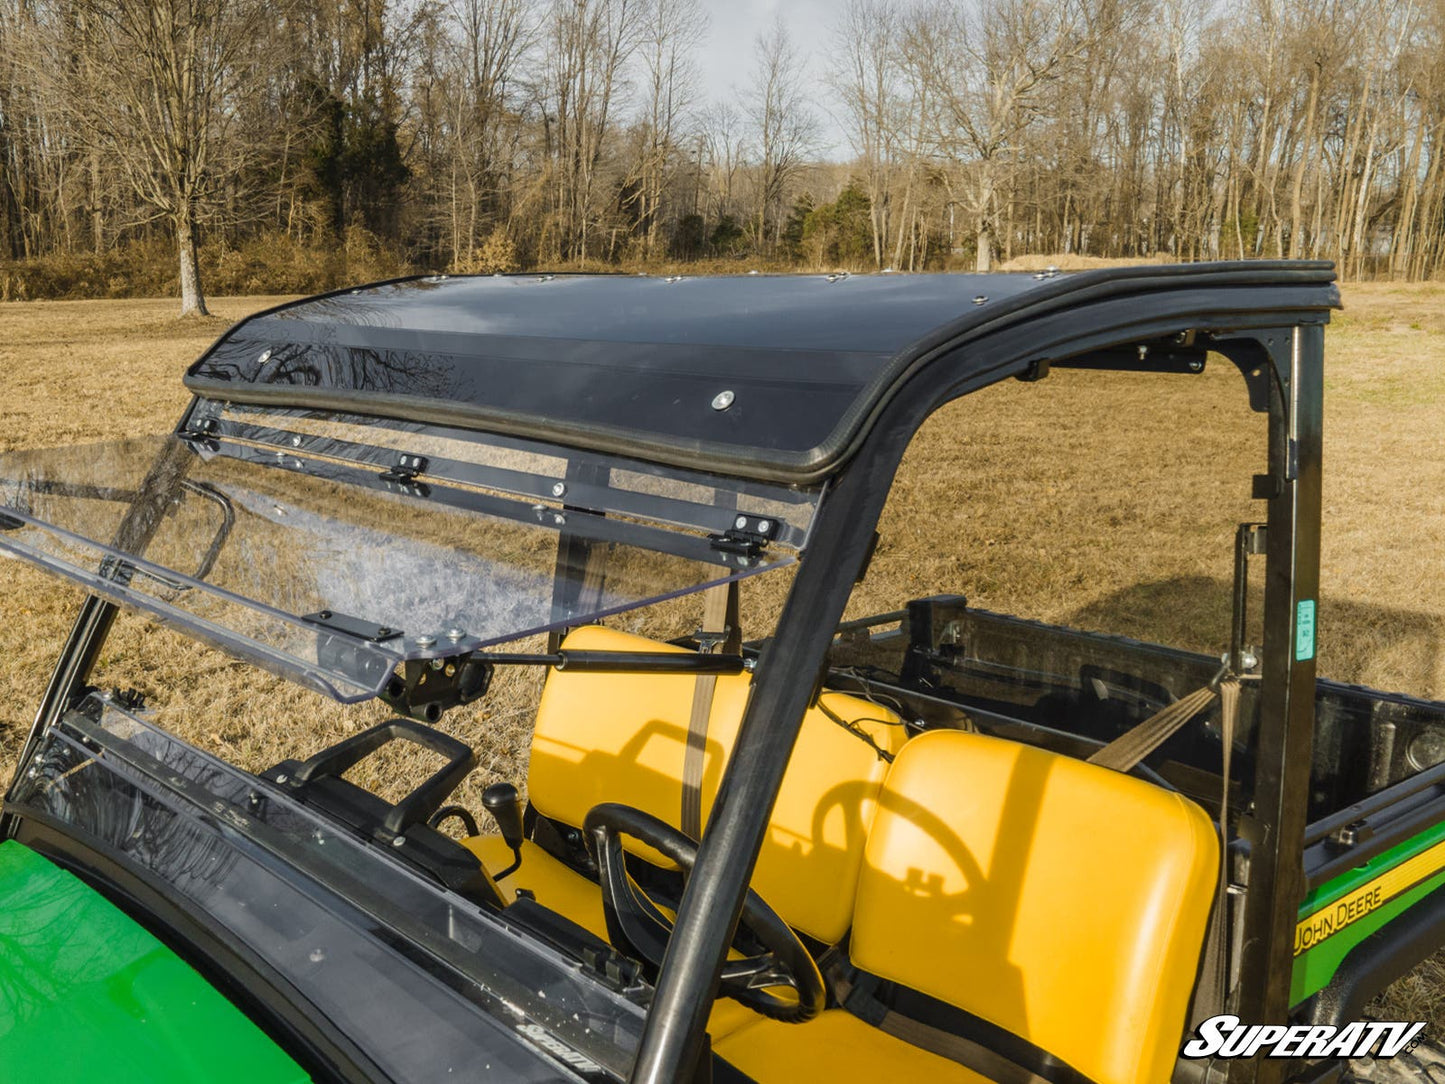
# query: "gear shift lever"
[[505, 805]]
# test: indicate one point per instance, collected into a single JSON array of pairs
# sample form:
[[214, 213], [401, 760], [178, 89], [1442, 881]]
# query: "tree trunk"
[[985, 248], [193, 300]]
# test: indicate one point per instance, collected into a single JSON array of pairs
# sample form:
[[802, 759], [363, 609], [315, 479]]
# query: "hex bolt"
[[437, 664]]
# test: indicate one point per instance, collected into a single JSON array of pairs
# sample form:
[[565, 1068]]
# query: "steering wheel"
[[634, 922]]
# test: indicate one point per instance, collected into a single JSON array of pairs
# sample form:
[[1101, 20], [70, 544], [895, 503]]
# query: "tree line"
[[252, 140]]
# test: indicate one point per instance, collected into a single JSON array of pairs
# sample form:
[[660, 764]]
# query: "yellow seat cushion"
[[1062, 901], [836, 1047], [621, 738], [555, 885]]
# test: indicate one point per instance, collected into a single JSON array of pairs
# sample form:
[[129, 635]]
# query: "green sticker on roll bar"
[[1304, 630]]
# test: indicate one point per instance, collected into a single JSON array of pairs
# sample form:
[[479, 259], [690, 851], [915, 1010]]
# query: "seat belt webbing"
[[720, 628], [1213, 991], [995, 1067], [1127, 750], [1136, 743]]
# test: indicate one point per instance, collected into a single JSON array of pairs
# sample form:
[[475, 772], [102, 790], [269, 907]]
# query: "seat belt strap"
[[1213, 990], [720, 628], [857, 992], [1132, 746]]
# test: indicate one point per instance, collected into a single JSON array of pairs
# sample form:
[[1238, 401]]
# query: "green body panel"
[[1314, 968], [88, 995]]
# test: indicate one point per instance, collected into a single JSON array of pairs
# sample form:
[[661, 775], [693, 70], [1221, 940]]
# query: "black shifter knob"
[[505, 805]]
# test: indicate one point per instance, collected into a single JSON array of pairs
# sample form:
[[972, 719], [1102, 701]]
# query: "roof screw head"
[[437, 664], [264, 356], [425, 640], [740, 522], [282, 778], [296, 441], [559, 488], [764, 526], [722, 400], [397, 841], [455, 634], [980, 299], [1143, 352], [1196, 366]]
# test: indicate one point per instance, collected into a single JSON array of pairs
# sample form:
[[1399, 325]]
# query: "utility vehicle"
[[938, 844]]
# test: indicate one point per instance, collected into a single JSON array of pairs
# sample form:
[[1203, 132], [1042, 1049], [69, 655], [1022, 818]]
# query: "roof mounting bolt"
[[764, 526], [1143, 352], [296, 441], [1196, 365], [264, 356], [722, 400], [559, 519], [425, 640], [559, 488], [437, 664], [672, 278], [741, 522], [397, 841], [1051, 270], [282, 778], [455, 634], [980, 300]]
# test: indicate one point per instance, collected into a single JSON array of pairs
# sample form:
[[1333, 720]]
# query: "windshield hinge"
[[402, 477], [201, 430], [748, 536]]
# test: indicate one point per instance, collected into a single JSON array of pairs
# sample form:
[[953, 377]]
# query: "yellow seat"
[[621, 738], [1061, 901]]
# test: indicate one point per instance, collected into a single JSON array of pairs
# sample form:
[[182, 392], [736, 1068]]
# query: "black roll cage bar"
[[1279, 348]]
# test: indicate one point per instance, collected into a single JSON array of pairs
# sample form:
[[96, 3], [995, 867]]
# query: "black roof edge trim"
[[1184, 283]]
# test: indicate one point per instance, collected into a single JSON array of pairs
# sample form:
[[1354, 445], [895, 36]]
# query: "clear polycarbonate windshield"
[[329, 558]]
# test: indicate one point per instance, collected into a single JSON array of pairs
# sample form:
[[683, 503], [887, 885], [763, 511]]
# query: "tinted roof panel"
[[773, 374]]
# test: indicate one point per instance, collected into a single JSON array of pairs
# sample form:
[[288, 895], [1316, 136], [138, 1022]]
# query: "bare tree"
[[670, 35], [156, 97], [590, 42], [492, 37], [866, 74], [784, 129]]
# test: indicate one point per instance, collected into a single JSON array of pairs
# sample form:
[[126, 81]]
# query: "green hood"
[[86, 994]]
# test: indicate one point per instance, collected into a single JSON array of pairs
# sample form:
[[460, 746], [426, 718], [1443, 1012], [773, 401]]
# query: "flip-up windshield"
[[331, 548]]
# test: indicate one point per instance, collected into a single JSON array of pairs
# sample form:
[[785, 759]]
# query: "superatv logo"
[[1228, 1037]]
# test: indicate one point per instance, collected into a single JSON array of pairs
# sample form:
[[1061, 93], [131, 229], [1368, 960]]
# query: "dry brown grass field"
[[1101, 500]]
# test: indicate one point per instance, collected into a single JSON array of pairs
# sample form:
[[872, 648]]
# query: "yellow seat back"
[[1062, 901], [621, 738]]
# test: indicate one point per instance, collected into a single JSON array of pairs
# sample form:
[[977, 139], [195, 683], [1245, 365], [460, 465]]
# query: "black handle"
[[426, 799]]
